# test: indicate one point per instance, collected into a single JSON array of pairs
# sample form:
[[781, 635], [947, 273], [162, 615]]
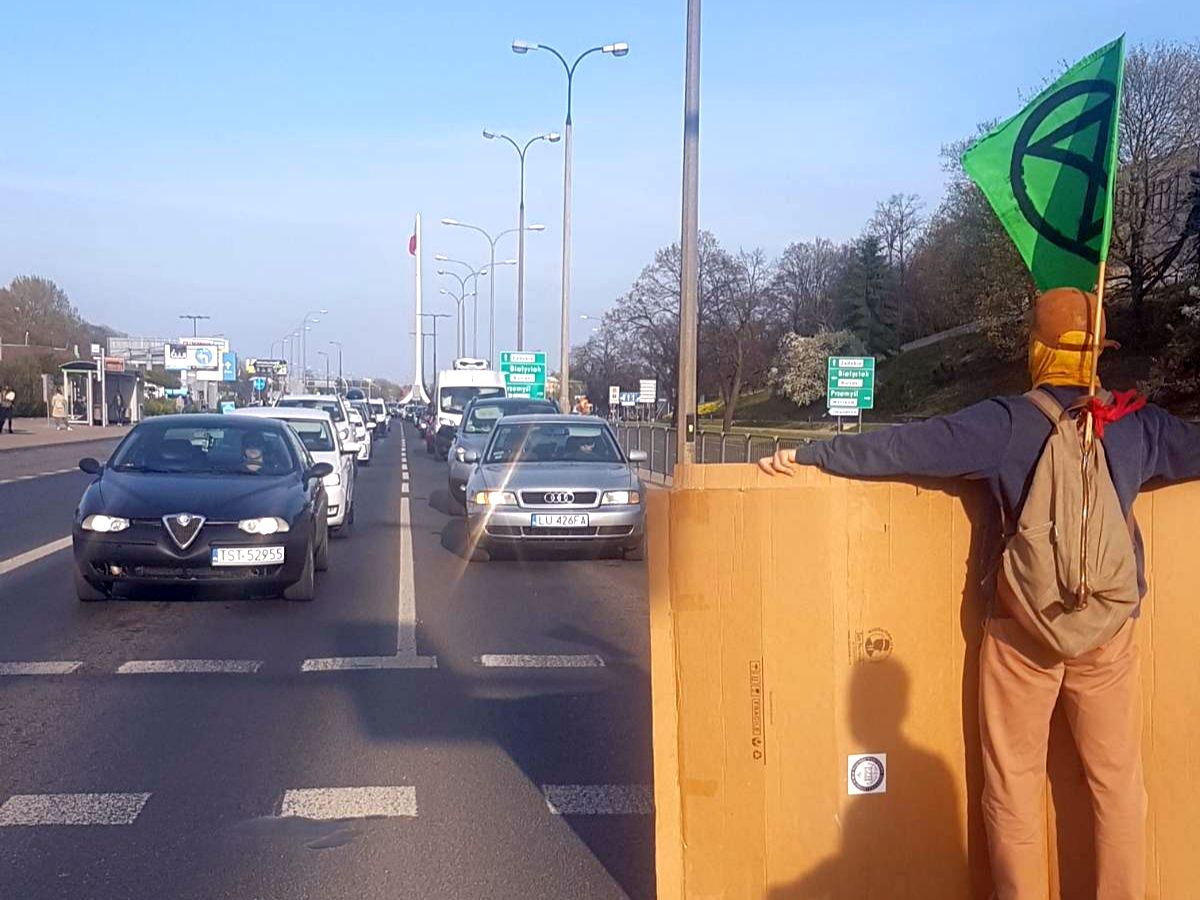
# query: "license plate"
[[560, 520], [247, 556]]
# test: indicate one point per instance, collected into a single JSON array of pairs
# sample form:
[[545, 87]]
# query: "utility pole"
[[685, 412], [338, 344]]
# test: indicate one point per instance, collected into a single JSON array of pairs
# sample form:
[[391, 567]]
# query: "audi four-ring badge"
[[550, 479]]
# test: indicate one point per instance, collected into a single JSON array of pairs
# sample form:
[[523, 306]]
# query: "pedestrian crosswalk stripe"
[[189, 666], [599, 799], [71, 809], [537, 661], [48, 667], [349, 802]]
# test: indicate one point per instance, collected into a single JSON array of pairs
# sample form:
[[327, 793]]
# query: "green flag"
[[1049, 171]]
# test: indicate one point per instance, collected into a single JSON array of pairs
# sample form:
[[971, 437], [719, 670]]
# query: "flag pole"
[[1089, 438]]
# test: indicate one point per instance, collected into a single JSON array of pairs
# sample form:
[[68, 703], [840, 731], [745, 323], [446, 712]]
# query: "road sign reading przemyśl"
[[524, 373], [851, 384]]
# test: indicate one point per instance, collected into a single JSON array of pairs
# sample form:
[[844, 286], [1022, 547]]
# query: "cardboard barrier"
[[813, 635]]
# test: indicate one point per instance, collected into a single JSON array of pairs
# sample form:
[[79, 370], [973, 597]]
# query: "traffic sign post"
[[524, 373], [850, 386]]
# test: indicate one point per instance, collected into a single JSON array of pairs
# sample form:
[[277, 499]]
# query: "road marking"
[[360, 663], [189, 666], [599, 799], [31, 556], [49, 667], [406, 614], [17, 478], [535, 661], [349, 802], [71, 809]]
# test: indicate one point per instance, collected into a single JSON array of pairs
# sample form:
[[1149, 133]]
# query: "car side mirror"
[[318, 470], [469, 456], [91, 466], [637, 456]]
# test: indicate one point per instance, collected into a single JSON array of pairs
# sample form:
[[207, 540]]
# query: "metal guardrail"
[[658, 441]]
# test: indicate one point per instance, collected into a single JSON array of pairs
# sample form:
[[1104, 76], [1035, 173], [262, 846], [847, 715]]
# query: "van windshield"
[[454, 399]]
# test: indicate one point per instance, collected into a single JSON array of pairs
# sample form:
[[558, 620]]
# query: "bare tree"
[[898, 224], [1157, 214], [806, 276], [736, 325]]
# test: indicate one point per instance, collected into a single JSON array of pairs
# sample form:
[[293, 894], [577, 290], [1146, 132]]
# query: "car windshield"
[[314, 434], [484, 416], [235, 448], [455, 399], [552, 442], [379, 406], [330, 406]]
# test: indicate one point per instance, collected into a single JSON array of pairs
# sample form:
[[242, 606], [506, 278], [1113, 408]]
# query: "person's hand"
[[782, 463]]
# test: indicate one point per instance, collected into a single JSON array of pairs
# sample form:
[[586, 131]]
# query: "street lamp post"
[[689, 305], [616, 50], [461, 331], [194, 318], [304, 341], [435, 317], [326, 355], [491, 265], [553, 137]]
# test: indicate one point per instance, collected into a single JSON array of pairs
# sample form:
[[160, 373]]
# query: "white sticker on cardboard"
[[866, 773]]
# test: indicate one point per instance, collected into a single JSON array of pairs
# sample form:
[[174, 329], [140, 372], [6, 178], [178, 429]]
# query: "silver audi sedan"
[[555, 480]]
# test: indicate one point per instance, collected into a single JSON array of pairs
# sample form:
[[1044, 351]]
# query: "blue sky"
[[253, 160]]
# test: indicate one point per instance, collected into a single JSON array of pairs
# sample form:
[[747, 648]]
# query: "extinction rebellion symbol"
[[867, 774], [1072, 229]]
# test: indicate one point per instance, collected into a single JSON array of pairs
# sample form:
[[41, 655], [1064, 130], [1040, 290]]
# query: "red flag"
[[412, 245]]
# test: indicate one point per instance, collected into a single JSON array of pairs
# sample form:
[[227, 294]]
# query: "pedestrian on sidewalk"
[[58, 410], [1023, 671], [8, 401]]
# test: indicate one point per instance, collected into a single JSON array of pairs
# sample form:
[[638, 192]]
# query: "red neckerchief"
[[1124, 403]]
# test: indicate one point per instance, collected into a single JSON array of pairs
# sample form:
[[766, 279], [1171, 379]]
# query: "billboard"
[[266, 367], [192, 357]]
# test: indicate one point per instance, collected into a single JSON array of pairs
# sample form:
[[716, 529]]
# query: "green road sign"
[[524, 373], [851, 384]]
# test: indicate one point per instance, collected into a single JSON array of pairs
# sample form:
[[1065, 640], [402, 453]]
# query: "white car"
[[382, 417], [315, 430], [337, 408], [362, 435]]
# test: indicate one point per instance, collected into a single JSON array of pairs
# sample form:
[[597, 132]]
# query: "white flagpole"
[[418, 385]]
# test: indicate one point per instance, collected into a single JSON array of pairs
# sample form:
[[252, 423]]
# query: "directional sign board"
[[851, 384], [647, 391], [524, 373]]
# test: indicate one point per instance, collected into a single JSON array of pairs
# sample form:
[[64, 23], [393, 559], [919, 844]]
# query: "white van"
[[469, 378]]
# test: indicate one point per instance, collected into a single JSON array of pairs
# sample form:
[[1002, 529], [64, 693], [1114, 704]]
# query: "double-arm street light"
[[310, 316], [619, 49], [325, 354], [459, 299], [338, 344], [553, 137], [474, 274], [435, 317], [492, 285]]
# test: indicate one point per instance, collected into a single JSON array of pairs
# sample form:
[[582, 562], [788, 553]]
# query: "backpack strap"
[[1046, 403]]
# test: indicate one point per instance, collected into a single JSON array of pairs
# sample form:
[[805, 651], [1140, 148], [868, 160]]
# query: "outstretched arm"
[[1172, 446], [967, 443]]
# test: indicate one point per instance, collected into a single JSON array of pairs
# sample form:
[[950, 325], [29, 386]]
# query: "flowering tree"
[[801, 364]]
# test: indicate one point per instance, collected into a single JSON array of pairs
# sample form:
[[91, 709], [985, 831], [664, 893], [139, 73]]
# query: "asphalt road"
[[428, 727]]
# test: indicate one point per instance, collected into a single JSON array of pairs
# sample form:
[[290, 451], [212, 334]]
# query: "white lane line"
[[349, 802], [361, 663], [406, 614], [599, 799], [17, 478], [189, 666], [48, 667], [71, 809], [536, 661], [31, 556]]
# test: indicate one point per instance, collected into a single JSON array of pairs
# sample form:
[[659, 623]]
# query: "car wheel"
[[347, 526], [321, 556], [306, 588], [86, 591], [637, 552]]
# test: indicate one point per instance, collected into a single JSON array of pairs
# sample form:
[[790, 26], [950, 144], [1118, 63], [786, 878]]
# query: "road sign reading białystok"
[[851, 384], [524, 373]]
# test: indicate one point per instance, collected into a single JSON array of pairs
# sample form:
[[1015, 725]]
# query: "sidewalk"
[[39, 433]]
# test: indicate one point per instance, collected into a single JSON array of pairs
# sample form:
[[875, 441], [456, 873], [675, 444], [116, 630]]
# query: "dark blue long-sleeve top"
[[1000, 440]]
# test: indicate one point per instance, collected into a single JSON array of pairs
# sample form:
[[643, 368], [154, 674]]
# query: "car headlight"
[[265, 525], [333, 479], [494, 498], [102, 524], [620, 498]]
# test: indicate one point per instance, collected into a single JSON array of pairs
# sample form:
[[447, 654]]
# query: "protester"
[[58, 410], [8, 398], [1000, 441]]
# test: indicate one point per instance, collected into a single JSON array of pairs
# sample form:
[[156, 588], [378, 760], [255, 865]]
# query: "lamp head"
[[619, 49], [449, 221], [536, 228], [523, 46], [441, 257], [554, 137], [487, 134]]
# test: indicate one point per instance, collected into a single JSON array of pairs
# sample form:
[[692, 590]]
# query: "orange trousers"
[[1019, 684]]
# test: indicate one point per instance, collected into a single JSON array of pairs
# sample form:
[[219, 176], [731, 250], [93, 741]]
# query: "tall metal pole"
[[520, 266], [685, 413], [419, 350], [492, 300], [564, 348]]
